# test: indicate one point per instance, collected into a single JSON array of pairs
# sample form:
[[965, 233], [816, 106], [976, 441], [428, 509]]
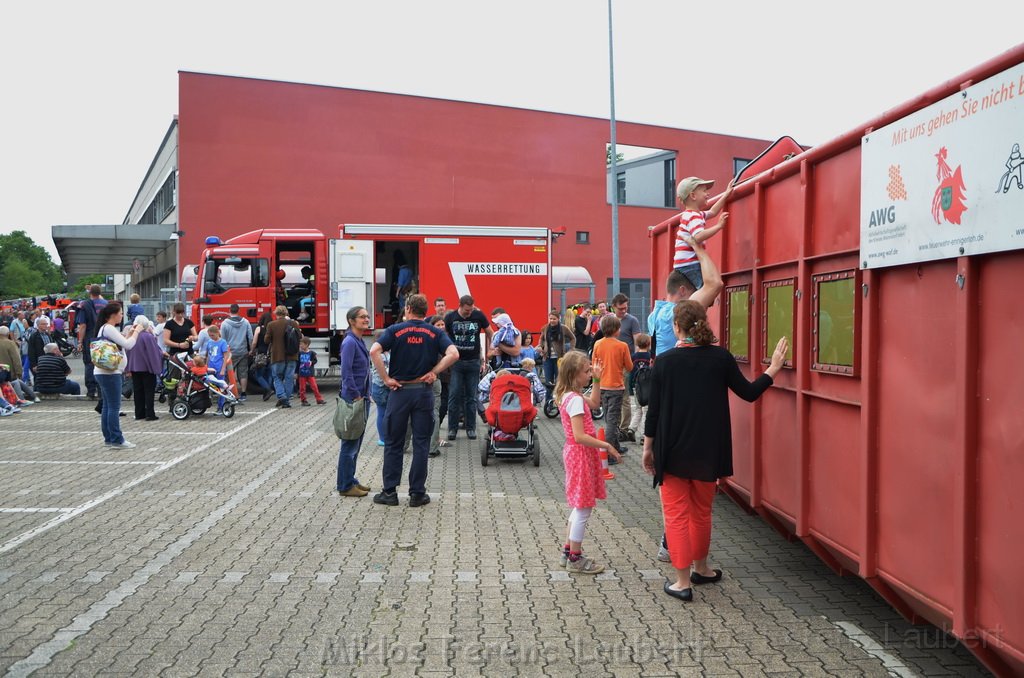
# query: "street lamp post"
[[614, 164]]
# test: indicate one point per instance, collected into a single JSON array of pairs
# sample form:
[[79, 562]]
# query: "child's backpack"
[[642, 383], [511, 403], [291, 340]]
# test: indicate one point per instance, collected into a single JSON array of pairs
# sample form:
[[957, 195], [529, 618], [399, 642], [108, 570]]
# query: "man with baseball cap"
[[693, 193]]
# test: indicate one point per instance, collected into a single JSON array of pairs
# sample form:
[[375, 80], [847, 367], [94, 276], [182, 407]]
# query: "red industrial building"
[[245, 153]]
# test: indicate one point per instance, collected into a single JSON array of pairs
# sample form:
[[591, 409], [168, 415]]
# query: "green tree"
[[26, 269], [78, 289]]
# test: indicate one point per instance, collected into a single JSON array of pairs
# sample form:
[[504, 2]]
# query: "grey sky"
[[90, 88]]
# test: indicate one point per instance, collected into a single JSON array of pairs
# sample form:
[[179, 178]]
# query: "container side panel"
[[915, 426], [742, 415], [783, 221], [835, 209], [780, 449], [739, 233], [835, 471], [1001, 450]]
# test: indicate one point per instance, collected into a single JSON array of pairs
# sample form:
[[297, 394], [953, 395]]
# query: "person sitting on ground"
[[52, 372], [6, 408], [10, 356]]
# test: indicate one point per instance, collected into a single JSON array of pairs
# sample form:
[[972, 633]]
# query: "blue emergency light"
[[213, 241]]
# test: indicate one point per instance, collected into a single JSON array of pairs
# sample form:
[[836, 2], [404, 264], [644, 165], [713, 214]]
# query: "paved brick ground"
[[218, 547]]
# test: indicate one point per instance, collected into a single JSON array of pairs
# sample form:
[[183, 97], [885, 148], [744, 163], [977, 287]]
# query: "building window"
[[649, 174], [582, 237], [835, 313], [670, 182], [778, 310], [737, 322], [163, 202], [738, 164]]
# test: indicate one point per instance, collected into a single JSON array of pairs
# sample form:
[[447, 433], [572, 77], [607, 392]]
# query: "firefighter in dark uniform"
[[414, 346]]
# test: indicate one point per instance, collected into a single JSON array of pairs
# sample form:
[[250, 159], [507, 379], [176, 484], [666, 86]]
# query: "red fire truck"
[[318, 278]]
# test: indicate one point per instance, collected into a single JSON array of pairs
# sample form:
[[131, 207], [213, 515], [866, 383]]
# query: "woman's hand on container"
[[778, 357]]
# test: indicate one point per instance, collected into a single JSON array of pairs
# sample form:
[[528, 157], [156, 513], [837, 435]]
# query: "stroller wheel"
[[536, 449], [485, 449], [180, 410], [598, 413], [550, 409], [229, 410]]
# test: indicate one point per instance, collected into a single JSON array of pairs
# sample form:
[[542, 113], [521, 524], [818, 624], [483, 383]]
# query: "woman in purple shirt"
[[144, 363], [355, 385]]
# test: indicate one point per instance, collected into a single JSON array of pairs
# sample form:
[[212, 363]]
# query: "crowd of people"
[[429, 368], [589, 356]]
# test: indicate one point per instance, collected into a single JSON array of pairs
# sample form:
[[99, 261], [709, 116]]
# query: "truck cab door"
[[351, 279]]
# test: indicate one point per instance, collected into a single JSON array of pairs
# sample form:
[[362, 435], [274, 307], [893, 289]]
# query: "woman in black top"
[[179, 331], [688, 437]]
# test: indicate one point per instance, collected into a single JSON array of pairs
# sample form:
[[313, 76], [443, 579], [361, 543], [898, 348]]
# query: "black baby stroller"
[[510, 413], [174, 369]]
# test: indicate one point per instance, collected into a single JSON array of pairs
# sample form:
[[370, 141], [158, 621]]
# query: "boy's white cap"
[[689, 185]]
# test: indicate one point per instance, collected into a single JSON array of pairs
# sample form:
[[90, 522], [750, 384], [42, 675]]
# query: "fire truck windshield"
[[235, 272]]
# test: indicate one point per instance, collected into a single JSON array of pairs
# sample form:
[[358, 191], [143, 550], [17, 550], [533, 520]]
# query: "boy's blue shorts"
[[693, 274]]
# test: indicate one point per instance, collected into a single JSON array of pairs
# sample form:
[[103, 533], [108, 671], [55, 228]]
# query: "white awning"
[[570, 277]]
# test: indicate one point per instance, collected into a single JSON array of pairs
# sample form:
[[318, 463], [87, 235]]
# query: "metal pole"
[[177, 268], [614, 166]]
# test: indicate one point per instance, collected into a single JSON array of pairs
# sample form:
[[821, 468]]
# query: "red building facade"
[[257, 153]]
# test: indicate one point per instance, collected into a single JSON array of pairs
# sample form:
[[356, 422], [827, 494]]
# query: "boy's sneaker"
[[583, 565], [124, 445], [386, 498], [663, 555], [321, 402], [241, 398], [305, 403], [219, 413], [6, 412]]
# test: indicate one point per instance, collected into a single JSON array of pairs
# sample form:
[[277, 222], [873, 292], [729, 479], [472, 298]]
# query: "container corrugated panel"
[[907, 467]]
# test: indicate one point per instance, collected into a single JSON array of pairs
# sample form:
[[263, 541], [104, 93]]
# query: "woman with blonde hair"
[[584, 482]]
